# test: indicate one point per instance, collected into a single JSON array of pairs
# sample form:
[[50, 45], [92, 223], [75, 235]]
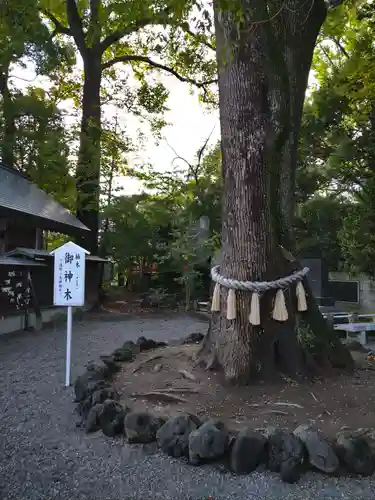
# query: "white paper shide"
[[69, 275]]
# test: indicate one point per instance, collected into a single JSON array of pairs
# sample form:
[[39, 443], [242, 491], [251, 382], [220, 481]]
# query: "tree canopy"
[[41, 133]]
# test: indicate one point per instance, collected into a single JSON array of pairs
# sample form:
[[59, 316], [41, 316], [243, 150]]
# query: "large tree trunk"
[[292, 35], [260, 113], [249, 239], [88, 166], [300, 39], [9, 127]]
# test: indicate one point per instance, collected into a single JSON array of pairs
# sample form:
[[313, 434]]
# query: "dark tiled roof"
[[11, 261], [19, 196], [33, 253]]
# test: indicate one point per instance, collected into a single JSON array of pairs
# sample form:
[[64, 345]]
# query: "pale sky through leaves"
[[190, 123]]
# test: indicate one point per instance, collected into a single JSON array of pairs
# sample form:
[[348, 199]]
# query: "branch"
[[339, 46], [59, 27], [198, 37], [178, 157], [23, 79], [94, 9], [94, 28], [75, 23], [202, 149], [325, 52], [128, 30], [154, 64]]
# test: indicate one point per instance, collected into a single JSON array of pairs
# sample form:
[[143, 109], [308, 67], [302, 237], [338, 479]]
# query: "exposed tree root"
[[188, 375], [159, 396], [148, 360], [182, 390]]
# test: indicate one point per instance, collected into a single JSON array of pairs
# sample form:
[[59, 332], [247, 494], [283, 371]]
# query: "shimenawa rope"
[[257, 288]]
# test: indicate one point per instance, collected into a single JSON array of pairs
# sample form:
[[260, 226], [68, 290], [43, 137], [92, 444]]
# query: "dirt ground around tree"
[[45, 456], [167, 382]]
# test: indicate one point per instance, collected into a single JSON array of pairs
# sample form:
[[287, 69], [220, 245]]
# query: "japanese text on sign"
[[69, 278]]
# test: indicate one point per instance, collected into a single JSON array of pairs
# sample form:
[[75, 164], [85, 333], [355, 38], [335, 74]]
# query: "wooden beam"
[[3, 227], [39, 239]]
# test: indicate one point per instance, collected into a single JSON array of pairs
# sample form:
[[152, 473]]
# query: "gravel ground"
[[44, 456]]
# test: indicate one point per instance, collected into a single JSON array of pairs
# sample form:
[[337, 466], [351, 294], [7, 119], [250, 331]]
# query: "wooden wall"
[[14, 290], [17, 236]]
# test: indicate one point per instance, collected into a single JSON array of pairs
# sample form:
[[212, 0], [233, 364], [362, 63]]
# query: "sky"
[[190, 123]]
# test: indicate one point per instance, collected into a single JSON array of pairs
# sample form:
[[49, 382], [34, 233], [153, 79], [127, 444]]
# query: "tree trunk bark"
[[249, 240], [88, 166], [292, 38], [325, 348], [9, 127], [260, 113], [301, 27]]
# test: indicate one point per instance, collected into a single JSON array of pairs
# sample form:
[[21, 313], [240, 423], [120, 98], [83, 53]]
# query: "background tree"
[[338, 141], [106, 34], [317, 230], [41, 149], [23, 38]]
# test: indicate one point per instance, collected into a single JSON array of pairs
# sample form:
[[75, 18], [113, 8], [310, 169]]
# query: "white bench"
[[349, 316], [203, 306], [359, 329]]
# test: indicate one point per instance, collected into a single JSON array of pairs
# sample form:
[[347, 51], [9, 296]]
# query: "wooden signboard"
[[69, 287]]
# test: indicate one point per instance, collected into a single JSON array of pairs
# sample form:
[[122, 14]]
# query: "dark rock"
[[234, 433], [140, 427], [92, 423], [267, 431], [112, 418], [84, 407], [98, 371], [145, 344], [286, 454], [149, 344], [111, 364], [102, 392], [86, 384], [248, 451], [101, 395], [123, 354], [194, 338], [320, 452], [366, 433], [163, 420], [208, 442], [173, 436], [356, 453], [290, 472], [129, 344]]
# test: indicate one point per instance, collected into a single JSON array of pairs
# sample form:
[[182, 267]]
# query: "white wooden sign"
[[69, 287], [69, 275]]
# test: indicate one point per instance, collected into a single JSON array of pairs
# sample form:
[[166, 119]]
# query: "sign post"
[[69, 287]]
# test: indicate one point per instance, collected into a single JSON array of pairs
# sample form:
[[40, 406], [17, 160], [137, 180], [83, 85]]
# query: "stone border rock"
[[290, 454]]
